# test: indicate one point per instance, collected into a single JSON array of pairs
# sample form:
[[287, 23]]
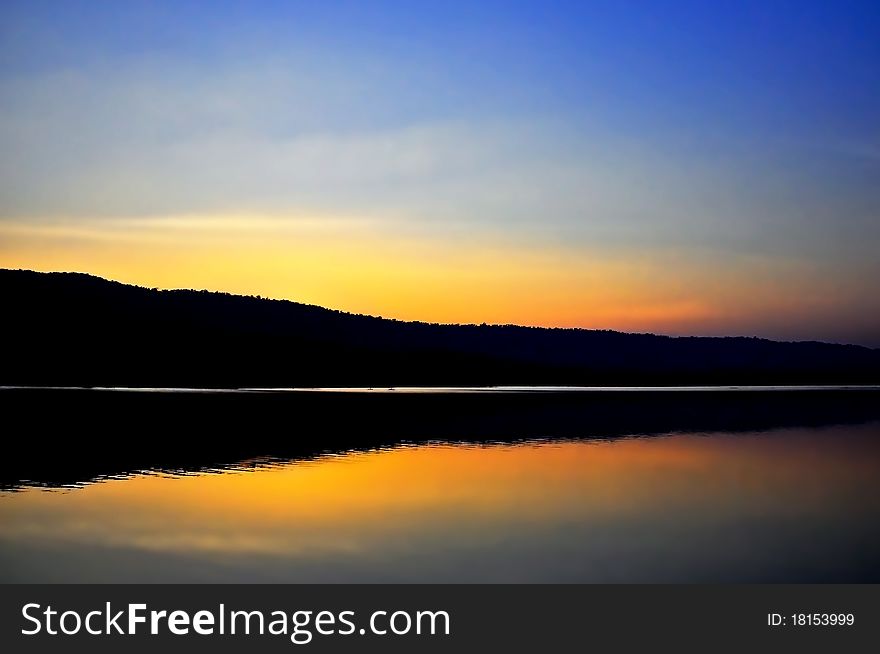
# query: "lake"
[[777, 495]]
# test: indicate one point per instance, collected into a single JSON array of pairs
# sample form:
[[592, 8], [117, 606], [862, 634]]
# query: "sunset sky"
[[675, 167]]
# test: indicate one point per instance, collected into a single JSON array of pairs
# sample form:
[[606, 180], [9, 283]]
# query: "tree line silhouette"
[[81, 330]]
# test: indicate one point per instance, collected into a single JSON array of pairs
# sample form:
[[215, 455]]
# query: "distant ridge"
[[81, 330]]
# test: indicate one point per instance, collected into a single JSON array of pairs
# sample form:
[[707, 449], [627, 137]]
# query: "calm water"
[[796, 504]]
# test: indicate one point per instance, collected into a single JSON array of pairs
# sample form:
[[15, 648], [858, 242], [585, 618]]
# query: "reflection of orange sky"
[[381, 270], [348, 502]]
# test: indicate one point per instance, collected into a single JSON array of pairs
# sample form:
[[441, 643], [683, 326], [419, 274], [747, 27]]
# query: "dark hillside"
[[76, 329]]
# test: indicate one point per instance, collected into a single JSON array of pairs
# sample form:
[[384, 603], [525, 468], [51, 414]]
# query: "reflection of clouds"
[[179, 538], [344, 501], [697, 506]]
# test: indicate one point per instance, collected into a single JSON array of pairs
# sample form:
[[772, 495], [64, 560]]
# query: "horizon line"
[[422, 322]]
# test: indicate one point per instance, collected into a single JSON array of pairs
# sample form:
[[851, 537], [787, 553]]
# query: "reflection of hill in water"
[[64, 437]]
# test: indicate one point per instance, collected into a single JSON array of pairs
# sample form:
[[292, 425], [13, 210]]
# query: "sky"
[[670, 167]]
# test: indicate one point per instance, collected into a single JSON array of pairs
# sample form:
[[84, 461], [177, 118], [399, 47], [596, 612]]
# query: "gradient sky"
[[676, 167]]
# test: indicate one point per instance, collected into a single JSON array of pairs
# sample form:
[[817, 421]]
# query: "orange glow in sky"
[[380, 269]]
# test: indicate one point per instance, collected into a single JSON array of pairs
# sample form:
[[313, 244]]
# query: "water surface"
[[791, 504]]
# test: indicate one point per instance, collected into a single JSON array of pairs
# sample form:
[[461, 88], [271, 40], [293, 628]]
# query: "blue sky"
[[687, 134]]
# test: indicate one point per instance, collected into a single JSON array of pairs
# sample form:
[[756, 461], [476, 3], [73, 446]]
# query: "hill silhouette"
[[80, 330]]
